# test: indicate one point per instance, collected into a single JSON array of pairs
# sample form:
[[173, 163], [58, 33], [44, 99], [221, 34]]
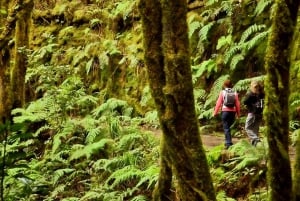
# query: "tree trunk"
[[5, 58], [277, 92], [294, 81], [21, 44], [168, 63]]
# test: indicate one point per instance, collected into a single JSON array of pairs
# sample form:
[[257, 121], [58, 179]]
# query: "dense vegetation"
[[87, 126]]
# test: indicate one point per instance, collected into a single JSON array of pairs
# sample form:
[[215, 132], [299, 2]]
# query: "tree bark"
[[167, 59], [294, 81], [276, 113], [21, 44]]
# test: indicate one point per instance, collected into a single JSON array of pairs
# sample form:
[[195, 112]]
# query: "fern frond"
[[130, 141], [151, 118], [92, 135], [204, 31], [193, 27], [236, 49], [119, 177], [91, 195], [208, 66], [130, 158], [109, 107], [224, 41], [149, 176], [214, 155], [236, 59], [253, 29], [58, 190], [61, 173], [257, 40], [140, 198], [103, 145], [69, 128], [247, 155], [262, 5], [61, 157]]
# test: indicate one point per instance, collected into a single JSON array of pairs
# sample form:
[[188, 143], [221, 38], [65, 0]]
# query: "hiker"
[[228, 111], [254, 103]]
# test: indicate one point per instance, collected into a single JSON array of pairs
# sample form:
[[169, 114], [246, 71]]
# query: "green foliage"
[[248, 155], [262, 6], [73, 137], [206, 68], [204, 31], [252, 37]]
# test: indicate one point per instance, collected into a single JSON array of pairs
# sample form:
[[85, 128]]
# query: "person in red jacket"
[[228, 114]]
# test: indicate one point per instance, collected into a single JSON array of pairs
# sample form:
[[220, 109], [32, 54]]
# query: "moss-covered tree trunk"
[[168, 63], [277, 92], [5, 58], [21, 44], [295, 87]]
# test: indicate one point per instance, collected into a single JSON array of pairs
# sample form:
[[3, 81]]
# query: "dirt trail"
[[210, 141]]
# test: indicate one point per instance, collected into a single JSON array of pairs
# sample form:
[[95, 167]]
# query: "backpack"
[[229, 98]]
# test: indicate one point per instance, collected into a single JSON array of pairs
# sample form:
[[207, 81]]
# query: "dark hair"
[[227, 84]]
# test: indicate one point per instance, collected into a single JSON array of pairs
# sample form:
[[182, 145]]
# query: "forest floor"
[[212, 140]]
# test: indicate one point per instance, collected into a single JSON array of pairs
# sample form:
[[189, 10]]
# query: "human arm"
[[218, 104], [237, 105]]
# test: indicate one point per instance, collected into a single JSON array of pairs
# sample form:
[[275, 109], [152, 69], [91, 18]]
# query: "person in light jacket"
[[228, 114]]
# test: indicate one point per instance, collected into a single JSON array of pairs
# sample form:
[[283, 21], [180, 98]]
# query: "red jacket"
[[220, 105]]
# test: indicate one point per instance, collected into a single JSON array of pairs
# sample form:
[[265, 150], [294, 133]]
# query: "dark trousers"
[[227, 119]]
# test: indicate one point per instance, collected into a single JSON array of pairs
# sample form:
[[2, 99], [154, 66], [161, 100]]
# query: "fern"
[[221, 196], [91, 195], [236, 49], [235, 61], [224, 41], [90, 149], [149, 176], [66, 131], [253, 29], [123, 175], [111, 106], [58, 190], [262, 6], [214, 155], [257, 40], [193, 27], [151, 118], [208, 66], [131, 141], [247, 155], [140, 198], [58, 174], [204, 31]]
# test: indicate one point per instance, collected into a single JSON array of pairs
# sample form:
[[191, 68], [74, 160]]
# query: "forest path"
[[211, 140]]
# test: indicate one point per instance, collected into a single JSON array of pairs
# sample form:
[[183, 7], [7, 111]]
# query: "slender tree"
[[167, 59], [21, 44], [277, 92]]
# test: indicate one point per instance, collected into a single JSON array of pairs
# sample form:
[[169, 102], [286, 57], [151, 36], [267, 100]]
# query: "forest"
[[112, 100]]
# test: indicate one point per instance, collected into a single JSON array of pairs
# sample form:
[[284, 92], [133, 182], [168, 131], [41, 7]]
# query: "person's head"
[[227, 84], [255, 86]]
